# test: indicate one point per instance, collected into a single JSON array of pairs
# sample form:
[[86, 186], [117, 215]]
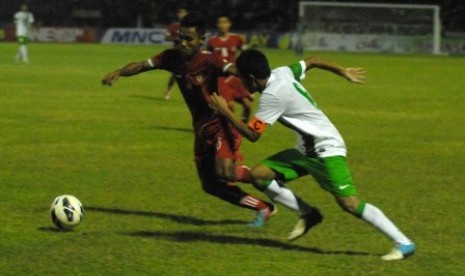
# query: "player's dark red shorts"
[[217, 140]]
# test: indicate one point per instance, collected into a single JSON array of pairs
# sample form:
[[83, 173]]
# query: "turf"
[[127, 154]]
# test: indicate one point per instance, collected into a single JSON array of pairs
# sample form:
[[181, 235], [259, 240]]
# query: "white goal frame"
[[436, 14]]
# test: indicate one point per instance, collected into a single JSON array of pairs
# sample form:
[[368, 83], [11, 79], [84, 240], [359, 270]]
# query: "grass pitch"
[[127, 155]]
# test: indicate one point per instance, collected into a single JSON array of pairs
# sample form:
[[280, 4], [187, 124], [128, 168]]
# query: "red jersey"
[[197, 79], [227, 46], [173, 31]]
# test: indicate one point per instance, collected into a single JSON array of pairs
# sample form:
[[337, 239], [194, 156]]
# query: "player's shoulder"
[[172, 52], [174, 26], [207, 58], [282, 71], [170, 55], [280, 79], [235, 36], [212, 39]]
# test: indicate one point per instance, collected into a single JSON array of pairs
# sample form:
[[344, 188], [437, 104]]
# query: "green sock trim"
[[263, 185], [360, 209]]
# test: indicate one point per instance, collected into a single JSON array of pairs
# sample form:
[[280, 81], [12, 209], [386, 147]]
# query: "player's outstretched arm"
[[355, 75], [127, 71], [220, 105]]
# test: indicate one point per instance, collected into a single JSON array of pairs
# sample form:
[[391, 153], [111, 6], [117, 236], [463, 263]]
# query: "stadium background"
[[126, 154], [263, 23]]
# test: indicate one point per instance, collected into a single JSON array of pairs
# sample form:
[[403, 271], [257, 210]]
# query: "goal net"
[[368, 27]]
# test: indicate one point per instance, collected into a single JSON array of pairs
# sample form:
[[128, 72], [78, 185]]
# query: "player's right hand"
[[355, 75], [110, 78]]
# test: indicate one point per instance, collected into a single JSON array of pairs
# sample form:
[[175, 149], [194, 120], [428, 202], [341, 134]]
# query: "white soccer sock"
[[378, 219], [282, 195], [23, 51]]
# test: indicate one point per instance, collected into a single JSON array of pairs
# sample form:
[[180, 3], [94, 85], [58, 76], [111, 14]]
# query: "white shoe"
[[305, 223], [399, 252]]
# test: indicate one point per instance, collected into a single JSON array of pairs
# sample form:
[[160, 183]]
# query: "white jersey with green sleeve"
[[23, 21], [287, 101]]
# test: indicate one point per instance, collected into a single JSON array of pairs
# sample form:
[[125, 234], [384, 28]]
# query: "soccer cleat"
[[167, 95], [399, 252], [305, 223], [262, 216]]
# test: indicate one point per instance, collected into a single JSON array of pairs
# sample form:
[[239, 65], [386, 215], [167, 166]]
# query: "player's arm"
[[220, 105], [355, 75], [246, 104], [131, 69]]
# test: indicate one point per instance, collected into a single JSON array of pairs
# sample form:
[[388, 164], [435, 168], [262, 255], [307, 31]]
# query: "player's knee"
[[226, 173], [349, 204], [261, 173]]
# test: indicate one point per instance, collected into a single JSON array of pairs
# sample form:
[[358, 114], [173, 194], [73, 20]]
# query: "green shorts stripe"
[[331, 173]]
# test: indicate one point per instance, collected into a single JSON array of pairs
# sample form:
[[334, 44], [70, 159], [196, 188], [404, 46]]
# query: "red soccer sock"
[[253, 203], [243, 174]]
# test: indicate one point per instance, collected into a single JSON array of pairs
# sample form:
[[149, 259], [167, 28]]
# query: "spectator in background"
[[172, 34], [23, 20]]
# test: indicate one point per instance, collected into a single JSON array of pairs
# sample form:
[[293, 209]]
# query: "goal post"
[[373, 27]]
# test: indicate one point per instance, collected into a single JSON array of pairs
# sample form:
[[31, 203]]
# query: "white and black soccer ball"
[[66, 212]]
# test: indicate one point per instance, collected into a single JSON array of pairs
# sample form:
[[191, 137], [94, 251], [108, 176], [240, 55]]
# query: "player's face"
[[24, 8], [181, 13], [223, 24], [190, 41], [249, 82]]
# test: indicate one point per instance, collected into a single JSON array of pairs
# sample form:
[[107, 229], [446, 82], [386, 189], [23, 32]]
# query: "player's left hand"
[[110, 78], [355, 75], [219, 104]]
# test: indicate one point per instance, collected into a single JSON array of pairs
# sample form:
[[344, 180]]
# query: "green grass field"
[[127, 155]]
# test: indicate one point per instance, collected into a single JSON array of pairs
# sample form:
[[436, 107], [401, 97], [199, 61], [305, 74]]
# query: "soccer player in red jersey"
[[217, 143], [172, 34], [228, 45]]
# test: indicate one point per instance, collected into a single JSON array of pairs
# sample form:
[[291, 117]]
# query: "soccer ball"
[[66, 212]]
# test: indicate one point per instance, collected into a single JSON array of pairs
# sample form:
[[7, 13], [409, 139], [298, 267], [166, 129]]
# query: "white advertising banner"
[[361, 43], [52, 34], [135, 36]]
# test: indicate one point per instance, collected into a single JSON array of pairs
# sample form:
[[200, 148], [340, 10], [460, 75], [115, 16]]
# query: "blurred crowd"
[[271, 15]]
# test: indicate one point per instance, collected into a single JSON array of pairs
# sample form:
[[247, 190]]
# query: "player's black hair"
[[253, 62], [195, 20]]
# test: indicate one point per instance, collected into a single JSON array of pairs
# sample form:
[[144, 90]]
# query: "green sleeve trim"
[[298, 69]]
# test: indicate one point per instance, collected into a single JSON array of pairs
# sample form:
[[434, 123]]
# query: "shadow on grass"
[[144, 97], [197, 236], [173, 217], [52, 229], [179, 129]]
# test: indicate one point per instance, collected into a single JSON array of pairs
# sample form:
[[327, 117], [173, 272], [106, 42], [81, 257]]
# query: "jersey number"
[[304, 93]]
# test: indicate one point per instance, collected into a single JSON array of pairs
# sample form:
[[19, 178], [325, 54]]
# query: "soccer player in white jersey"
[[23, 20], [320, 150]]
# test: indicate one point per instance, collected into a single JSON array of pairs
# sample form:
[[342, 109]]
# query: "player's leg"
[[22, 52], [228, 159], [211, 184], [286, 166], [335, 177], [19, 55], [169, 89]]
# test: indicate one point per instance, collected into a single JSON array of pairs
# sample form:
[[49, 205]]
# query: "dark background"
[[276, 15]]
